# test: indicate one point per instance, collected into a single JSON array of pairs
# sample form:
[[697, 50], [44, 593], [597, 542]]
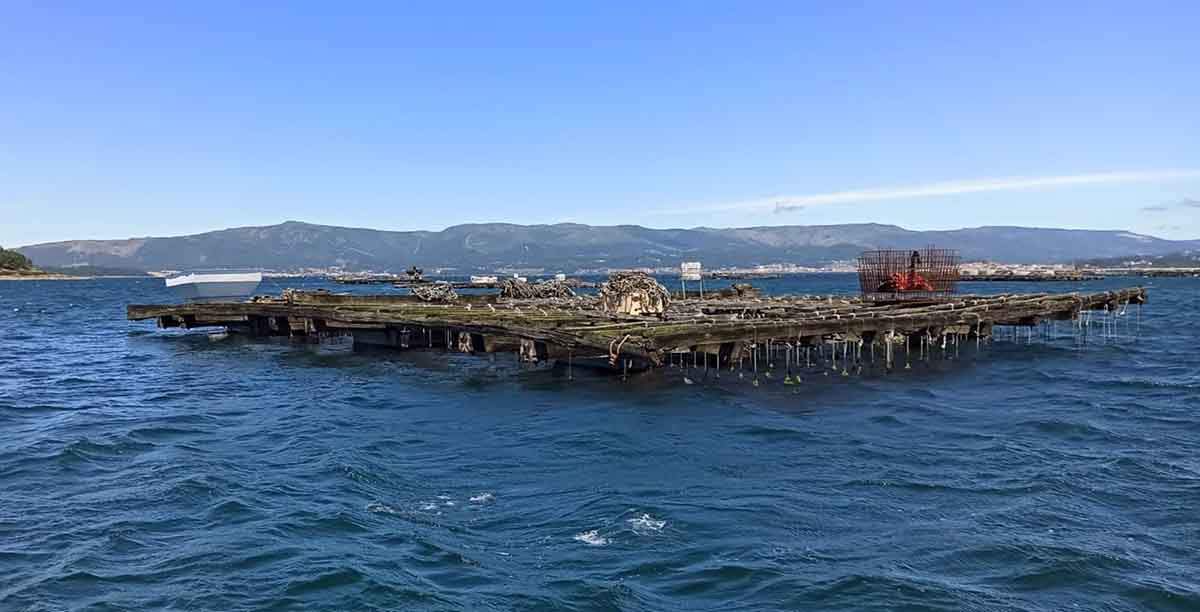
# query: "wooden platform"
[[405, 283], [1152, 272], [727, 328], [1071, 277]]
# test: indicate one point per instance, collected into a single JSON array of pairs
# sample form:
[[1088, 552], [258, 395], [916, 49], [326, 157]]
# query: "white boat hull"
[[215, 287]]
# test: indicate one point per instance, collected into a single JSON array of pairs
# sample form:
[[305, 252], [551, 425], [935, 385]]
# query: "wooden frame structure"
[[727, 327]]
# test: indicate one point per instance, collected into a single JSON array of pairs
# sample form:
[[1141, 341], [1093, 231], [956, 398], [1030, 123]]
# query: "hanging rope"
[[614, 353], [621, 285]]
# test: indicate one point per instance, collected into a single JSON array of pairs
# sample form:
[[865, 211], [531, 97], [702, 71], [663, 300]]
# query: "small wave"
[[257, 559], [338, 524], [329, 580], [482, 498], [381, 508], [35, 408], [85, 449], [228, 509], [1146, 383], [886, 419], [357, 473], [76, 381], [645, 524], [162, 433], [922, 393], [1066, 428], [889, 591], [591, 538], [774, 433]]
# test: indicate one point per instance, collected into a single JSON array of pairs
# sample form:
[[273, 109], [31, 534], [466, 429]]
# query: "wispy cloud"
[[1180, 203], [789, 203]]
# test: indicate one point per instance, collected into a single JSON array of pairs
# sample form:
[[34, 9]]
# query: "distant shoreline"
[[56, 277], [38, 276]]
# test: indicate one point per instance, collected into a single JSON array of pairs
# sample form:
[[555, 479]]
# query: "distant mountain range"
[[568, 247]]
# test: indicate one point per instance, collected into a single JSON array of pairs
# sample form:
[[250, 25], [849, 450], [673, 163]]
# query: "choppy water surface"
[[150, 470]]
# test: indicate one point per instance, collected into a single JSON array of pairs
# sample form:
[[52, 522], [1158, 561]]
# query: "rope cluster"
[[436, 292], [620, 284], [518, 289]]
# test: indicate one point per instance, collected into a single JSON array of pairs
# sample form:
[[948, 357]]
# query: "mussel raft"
[[725, 330]]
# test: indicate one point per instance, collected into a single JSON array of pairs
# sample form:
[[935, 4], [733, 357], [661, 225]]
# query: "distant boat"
[[215, 287], [484, 280]]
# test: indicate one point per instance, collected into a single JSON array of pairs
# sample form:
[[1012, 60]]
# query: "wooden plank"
[[578, 324]]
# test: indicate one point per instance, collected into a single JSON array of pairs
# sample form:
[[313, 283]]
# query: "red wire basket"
[[897, 274]]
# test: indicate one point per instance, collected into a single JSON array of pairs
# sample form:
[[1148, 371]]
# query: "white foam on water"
[[645, 524], [482, 498], [429, 506], [379, 508], [591, 538]]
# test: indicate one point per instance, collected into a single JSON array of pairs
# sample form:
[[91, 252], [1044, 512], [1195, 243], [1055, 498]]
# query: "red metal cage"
[[897, 274]]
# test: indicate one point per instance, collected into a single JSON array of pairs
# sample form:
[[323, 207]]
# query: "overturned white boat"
[[215, 287]]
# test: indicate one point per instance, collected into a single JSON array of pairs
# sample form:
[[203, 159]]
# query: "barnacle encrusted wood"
[[436, 292], [634, 293], [519, 289], [578, 326]]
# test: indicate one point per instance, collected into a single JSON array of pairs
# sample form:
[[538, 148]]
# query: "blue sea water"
[[157, 470]]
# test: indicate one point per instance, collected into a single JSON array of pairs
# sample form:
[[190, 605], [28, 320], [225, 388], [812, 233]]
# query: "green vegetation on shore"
[[12, 261], [94, 271], [16, 265]]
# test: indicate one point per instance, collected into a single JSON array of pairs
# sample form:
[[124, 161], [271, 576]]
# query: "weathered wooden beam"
[[577, 324]]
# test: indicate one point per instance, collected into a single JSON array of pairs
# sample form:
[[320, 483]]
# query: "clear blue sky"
[[151, 118]]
